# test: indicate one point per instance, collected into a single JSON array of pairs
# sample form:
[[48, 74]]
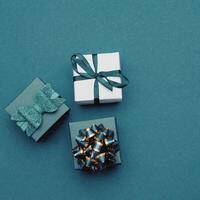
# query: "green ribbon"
[[100, 77], [29, 118], [96, 148]]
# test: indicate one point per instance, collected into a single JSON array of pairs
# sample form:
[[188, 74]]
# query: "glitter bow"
[[29, 118], [96, 148]]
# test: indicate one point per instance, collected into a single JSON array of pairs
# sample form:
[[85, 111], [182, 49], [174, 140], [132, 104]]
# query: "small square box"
[[109, 122], [84, 89], [26, 99]]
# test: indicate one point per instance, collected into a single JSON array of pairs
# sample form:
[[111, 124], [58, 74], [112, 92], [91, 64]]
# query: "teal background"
[[158, 120]]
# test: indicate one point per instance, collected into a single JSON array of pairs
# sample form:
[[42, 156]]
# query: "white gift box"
[[84, 89]]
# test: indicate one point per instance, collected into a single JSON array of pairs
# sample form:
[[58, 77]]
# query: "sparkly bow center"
[[96, 148]]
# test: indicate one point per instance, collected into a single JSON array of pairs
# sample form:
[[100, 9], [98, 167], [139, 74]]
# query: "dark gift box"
[[27, 99], [75, 127]]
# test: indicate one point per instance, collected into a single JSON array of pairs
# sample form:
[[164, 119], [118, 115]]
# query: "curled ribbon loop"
[[96, 148], [101, 77], [29, 118]]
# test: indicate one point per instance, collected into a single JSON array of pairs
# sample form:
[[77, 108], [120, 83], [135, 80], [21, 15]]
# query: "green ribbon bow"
[[29, 118], [100, 77], [96, 148]]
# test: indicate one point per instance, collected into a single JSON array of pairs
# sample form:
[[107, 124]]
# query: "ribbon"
[[29, 118], [100, 77], [96, 148]]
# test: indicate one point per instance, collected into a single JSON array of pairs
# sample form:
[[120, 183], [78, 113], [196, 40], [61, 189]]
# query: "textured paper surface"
[[108, 122], [26, 98], [84, 90]]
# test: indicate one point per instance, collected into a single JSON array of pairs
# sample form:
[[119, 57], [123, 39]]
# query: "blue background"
[[158, 120]]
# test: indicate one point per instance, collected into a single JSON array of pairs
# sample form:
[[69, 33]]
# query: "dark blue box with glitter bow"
[[37, 109], [95, 144]]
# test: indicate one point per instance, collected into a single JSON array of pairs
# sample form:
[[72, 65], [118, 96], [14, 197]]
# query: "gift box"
[[37, 109], [91, 127], [97, 78]]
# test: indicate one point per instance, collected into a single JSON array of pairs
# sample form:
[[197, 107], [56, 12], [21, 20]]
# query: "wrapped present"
[[97, 78], [95, 144], [37, 109]]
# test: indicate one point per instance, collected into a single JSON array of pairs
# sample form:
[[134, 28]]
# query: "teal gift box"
[[75, 127], [37, 109]]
